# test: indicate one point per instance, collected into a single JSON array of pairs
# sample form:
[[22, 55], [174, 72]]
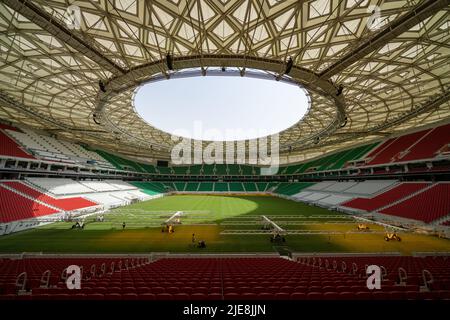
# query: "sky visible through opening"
[[221, 108]]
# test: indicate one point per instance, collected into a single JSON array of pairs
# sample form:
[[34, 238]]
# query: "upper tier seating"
[[14, 206], [387, 151], [423, 144], [8, 147], [125, 164], [67, 204], [53, 149], [329, 162], [428, 147], [60, 186], [429, 205], [230, 279], [385, 198]]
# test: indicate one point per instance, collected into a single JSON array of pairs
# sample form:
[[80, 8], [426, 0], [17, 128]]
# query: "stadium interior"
[[363, 177]]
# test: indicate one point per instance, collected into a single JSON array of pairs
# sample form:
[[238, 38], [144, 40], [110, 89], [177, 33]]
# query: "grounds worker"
[[123, 225]]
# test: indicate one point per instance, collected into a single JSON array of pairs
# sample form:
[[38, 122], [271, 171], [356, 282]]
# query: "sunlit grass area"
[[210, 218]]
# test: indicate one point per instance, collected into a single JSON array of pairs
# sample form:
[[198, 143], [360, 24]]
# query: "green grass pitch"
[[215, 219]]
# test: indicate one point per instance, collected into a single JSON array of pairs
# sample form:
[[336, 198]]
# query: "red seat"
[[129, 296], [146, 296], [215, 296], [282, 296], [249, 296], [298, 296], [331, 296], [266, 296], [163, 296], [314, 296], [113, 296], [198, 296], [180, 296]]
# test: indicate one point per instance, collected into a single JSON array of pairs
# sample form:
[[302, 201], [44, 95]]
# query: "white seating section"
[[120, 185], [333, 193], [315, 196], [340, 186], [59, 186], [117, 198], [105, 199], [99, 186], [321, 185], [301, 195], [109, 193], [53, 149], [333, 200], [371, 187]]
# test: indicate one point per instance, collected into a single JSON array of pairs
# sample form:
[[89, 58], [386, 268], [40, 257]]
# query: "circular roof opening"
[[220, 108]]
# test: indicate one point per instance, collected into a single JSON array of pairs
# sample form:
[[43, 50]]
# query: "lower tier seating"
[[67, 204], [8, 147], [309, 278], [16, 207], [426, 206], [386, 198]]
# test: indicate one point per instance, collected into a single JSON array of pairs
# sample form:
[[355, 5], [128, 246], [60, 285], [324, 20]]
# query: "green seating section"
[[180, 170], [164, 170], [195, 169], [150, 188], [271, 185], [208, 170], [169, 186], [333, 161], [290, 189], [284, 188], [236, 187], [221, 169], [121, 163], [246, 170], [250, 186], [206, 186], [221, 187], [148, 168], [180, 186], [329, 162], [261, 186], [234, 169], [191, 186]]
